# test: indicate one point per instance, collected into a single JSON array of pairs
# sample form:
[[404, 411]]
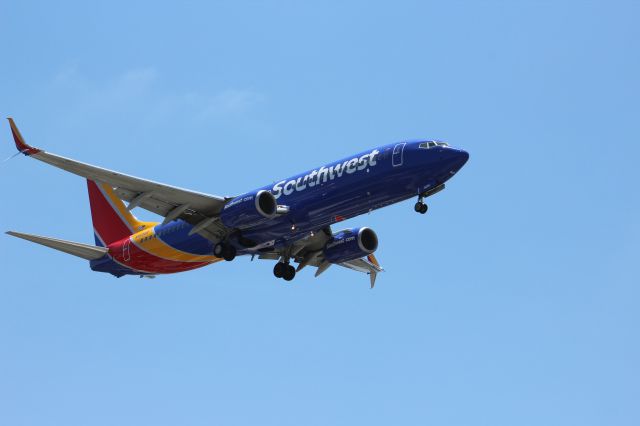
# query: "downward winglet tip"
[[372, 278], [21, 145]]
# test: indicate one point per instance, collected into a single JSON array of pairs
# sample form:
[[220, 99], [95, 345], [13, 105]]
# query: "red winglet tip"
[[21, 145]]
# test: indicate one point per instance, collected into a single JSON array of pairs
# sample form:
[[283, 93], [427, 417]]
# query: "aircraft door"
[[126, 250], [397, 156]]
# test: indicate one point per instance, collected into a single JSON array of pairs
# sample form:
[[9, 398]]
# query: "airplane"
[[288, 221]]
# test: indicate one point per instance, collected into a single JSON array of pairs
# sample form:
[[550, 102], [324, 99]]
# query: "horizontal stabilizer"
[[84, 251]]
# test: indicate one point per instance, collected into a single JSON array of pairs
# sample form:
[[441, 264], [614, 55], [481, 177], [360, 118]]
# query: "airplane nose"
[[463, 157], [460, 158]]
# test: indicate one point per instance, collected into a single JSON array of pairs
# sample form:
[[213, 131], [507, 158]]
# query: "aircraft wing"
[[308, 252], [166, 200], [368, 265]]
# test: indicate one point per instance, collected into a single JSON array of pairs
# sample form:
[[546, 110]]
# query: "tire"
[[418, 207], [278, 270], [218, 249], [229, 253], [289, 273], [424, 209]]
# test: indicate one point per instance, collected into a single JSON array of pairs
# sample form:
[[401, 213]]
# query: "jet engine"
[[350, 244], [249, 210]]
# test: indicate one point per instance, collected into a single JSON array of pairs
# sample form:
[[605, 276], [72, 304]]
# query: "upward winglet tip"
[[21, 145]]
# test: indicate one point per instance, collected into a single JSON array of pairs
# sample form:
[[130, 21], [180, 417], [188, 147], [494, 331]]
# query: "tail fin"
[[112, 221]]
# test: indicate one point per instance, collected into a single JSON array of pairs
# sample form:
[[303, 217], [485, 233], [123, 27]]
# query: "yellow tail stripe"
[[125, 214], [149, 242]]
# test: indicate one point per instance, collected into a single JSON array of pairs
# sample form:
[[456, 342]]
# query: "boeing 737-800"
[[289, 221]]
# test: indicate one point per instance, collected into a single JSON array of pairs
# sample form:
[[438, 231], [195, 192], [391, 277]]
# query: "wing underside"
[[165, 200], [308, 252]]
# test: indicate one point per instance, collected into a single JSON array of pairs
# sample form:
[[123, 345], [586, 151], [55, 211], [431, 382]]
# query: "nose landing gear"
[[420, 206]]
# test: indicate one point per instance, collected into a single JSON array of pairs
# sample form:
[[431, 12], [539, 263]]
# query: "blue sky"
[[513, 301]]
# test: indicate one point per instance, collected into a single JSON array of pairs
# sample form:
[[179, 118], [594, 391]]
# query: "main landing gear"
[[284, 270], [420, 206], [224, 251]]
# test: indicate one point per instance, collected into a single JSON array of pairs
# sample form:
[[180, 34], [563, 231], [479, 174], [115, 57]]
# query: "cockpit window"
[[431, 144]]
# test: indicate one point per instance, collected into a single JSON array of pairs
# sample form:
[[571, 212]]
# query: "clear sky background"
[[514, 301]]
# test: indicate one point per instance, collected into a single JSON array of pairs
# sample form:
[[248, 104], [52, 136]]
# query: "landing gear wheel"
[[218, 249], [289, 273], [420, 207], [279, 269], [228, 252]]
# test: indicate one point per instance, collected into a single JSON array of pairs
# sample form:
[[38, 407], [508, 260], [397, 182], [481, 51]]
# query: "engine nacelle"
[[351, 244], [249, 210]]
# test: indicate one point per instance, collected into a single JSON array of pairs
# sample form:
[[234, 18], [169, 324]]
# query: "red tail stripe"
[[142, 261]]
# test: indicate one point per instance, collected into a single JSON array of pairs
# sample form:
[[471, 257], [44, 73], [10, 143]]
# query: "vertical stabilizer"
[[111, 219]]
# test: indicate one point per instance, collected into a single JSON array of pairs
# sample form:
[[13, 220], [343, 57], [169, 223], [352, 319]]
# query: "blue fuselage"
[[321, 197], [355, 185]]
